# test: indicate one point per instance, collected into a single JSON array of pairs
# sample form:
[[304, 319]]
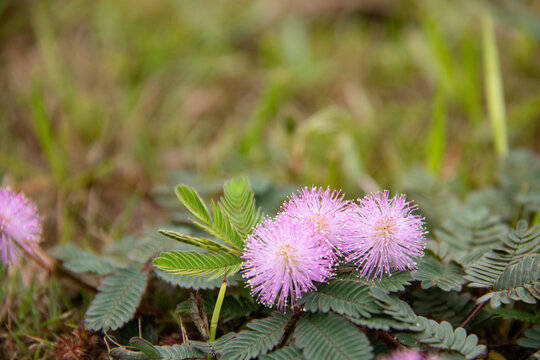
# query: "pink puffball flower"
[[322, 210], [283, 260], [20, 227], [385, 235], [408, 354]]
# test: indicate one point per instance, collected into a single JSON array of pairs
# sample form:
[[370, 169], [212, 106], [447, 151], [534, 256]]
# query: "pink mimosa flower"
[[20, 227], [408, 354], [385, 235], [322, 210], [283, 260]]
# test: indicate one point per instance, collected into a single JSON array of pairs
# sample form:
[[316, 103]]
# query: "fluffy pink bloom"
[[283, 260], [323, 211], [20, 226], [408, 354], [385, 235]]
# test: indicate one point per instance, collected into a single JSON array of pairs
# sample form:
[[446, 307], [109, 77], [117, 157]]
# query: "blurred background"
[[101, 101]]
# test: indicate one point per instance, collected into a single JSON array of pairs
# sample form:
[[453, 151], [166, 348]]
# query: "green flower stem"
[[217, 309]]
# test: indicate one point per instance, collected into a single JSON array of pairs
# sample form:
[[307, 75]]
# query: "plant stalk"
[[217, 309], [494, 86], [473, 313]]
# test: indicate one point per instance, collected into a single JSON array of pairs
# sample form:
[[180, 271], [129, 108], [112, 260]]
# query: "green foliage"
[[432, 271], [510, 270], [264, 335], [452, 307], [83, 262], [128, 251], [390, 283], [519, 190], [290, 352], [329, 336], [439, 335], [518, 282], [516, 314], [144, 248], [212, 347], [470, 227], [145, 347], [234, 307], [377, 322], [233, 217], [397, 310], [519, 175], [117, 300], [147, 351], [192, 282], [531, 338], [435, 200], [198, 264], [344, 295], [220, 227], [349, 294], [239, 204], [193, 202], [232, 220], [194, 241]]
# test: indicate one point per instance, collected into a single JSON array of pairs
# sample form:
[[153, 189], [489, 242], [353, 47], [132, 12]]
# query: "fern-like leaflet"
[[264, 335], [432, 271], [512, 270], [238, 203], [329, 336], [290, 352], [233, 216], [117, 300], [439, 335], [531, 338], [198, 264], [344, 295], [146, 351]]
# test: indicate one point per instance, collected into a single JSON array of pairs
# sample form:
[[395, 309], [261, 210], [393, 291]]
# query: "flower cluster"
[[20, 227], [316, 229]]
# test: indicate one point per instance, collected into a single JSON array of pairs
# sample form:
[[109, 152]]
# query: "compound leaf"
[[238, 203], [433, 272], [264, 335], [343, 296], [290, 352], [329, 336], [531, 338], [198, 264], [147, 351], [117, 300]]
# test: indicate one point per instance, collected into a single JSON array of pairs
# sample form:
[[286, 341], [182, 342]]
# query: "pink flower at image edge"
[[20, 226]]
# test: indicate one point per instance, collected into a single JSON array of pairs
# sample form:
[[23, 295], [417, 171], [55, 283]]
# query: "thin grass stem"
[[494, 86]]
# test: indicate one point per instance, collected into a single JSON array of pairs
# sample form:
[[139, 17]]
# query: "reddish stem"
[[473, 313]]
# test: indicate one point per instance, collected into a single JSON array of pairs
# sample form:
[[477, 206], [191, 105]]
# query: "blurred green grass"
[[102, 100]]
